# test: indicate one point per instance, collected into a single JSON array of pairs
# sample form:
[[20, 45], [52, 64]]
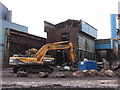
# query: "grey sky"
[[32, 13]]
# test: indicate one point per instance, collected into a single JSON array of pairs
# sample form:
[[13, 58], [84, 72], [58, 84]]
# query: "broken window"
[[64, 36]]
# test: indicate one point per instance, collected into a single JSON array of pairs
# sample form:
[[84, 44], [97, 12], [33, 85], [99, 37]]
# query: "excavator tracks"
[[33, 68]]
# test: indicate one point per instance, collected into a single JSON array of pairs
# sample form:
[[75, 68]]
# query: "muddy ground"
[[33, 82]]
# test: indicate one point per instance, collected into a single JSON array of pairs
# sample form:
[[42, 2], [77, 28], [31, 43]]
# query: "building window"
[[64, 36]]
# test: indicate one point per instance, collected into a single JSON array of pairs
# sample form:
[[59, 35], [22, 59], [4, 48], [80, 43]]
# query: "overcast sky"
[[33, 13]]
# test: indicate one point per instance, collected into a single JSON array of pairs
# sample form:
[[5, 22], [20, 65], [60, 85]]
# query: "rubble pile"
[[43, 74], [22, 74], [85, 73], [102, 72], [67, 71]]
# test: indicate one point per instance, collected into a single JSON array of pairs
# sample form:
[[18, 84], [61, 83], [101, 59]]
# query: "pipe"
[[113, 26]]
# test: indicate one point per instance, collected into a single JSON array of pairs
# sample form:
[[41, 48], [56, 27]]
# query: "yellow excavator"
[[40, 61]]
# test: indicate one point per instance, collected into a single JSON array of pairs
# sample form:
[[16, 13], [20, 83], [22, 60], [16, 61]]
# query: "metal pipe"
[[113, 26]]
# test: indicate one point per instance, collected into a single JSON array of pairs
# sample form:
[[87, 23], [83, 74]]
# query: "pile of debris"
[[104, 70], [67, 71], [86, 73]]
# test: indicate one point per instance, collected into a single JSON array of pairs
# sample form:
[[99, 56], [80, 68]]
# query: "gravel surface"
[[10, 80]]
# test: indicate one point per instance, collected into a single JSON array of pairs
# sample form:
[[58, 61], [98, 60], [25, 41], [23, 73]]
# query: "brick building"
[[80, 33]]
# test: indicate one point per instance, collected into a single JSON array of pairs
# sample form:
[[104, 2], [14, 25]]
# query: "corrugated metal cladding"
[[17, 42], [104, 44], [6, 16], [0, 36], [1, 39], [84, 43], [3, 11], [1, 54], [10, 25], [1, 48], [88, 29]]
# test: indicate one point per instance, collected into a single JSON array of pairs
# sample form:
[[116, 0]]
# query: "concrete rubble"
[[66, 71], [109, 72], [22, 74], [43, 74], [94, 73], [57, 75], [9, 80], [58, 72]]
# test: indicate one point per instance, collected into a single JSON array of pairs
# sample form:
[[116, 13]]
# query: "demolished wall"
[[74, 31]]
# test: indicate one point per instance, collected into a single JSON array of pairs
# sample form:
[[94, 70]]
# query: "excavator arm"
[[36, 62], [56, 46]]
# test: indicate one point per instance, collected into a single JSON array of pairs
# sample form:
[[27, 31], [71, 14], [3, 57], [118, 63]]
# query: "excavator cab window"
[[49, 56]]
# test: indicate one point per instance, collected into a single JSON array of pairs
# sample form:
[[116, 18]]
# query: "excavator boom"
[[56, 46]]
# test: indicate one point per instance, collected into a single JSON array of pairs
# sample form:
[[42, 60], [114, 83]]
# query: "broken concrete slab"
[[22, 74]]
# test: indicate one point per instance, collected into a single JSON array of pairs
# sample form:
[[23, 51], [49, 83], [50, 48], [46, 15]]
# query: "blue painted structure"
[[113, 26], [87, 65], [88, 29], [113, 29], [104, 44]]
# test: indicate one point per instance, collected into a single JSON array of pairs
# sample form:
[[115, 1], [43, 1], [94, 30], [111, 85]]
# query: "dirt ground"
[[11, 82]]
